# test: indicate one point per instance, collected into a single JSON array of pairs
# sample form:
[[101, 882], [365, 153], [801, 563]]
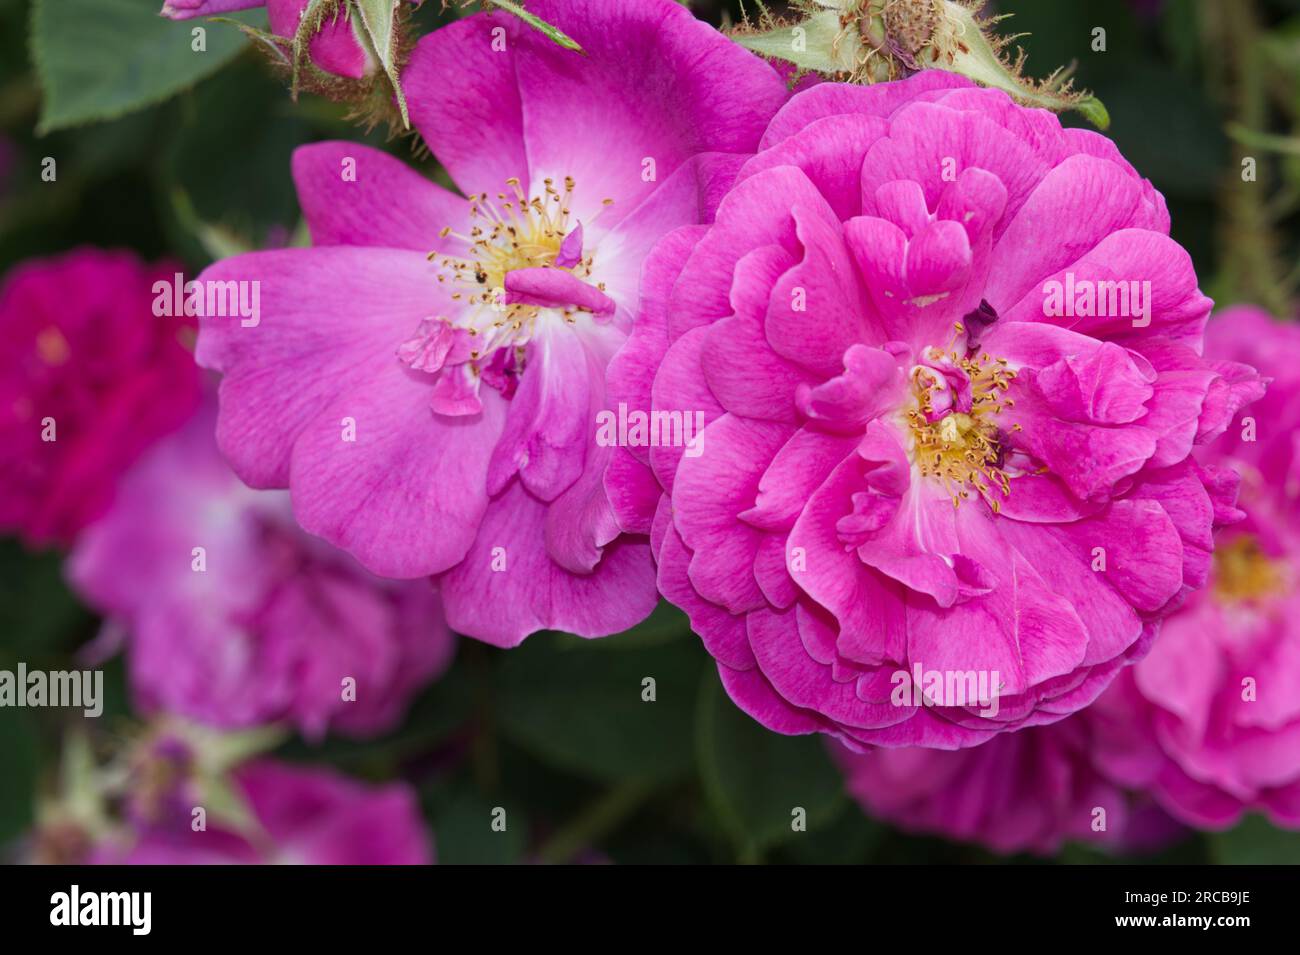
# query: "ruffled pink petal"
[[405, 494], [329, 318], [477, 133], [508, 586], [648, 94], [388, 203]]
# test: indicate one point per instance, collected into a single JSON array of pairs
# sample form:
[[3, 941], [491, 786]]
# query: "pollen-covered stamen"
[[513, 232], [954, 423], [1243, 572]]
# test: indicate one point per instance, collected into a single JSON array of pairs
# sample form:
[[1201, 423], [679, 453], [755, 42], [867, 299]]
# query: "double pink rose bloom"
[[916, 454]]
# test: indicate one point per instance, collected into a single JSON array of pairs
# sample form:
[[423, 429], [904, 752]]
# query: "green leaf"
[[578, 706], [100, 59], [537, 23], [755, 779], [377, 20], [39, 616], [463, 833], [1255, 841]]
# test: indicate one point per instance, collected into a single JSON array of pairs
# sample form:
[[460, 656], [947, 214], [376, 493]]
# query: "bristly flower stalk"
[[873, 41]]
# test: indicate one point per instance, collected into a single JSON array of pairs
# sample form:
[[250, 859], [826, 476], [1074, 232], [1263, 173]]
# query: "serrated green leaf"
[[100, 59], [755, 778]]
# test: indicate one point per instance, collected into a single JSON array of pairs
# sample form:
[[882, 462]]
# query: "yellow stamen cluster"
[[1242, 571], [512, 232], [961, 449]]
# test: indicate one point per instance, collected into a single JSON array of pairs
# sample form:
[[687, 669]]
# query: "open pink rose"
[[1210, 720], [234, 617], [299, 816], [1030, 791], [426, 378], [948, 363]]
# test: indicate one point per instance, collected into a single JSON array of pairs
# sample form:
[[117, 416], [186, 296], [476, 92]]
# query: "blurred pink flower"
[[300, 816], [272, 624], [89, 377], [1209, 722], [338, 48], [918, 429], [1029, 791], [468, 338]]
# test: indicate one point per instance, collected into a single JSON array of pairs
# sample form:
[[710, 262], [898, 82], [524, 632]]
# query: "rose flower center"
[[513, 232], [953, 422], [1242, 571]]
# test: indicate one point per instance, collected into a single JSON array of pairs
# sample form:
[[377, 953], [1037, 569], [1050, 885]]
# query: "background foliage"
[[187, 157]]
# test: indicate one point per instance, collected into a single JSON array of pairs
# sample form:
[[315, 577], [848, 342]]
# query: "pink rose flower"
[[301, 816], [1030, 791], [89, 377], [338, 48], [1209, 722], [465, 341], [927, 447], [266, 623]]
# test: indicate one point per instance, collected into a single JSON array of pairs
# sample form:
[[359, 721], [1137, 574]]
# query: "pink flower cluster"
[[276, 625], [231, 615], [909, 380]]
